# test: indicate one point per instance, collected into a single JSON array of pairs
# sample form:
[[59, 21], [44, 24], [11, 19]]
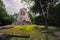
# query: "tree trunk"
[[46, 23], [45, 14], [46, 17]]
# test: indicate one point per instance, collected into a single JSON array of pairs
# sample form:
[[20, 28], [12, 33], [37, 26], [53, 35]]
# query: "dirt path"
[[57, 34]]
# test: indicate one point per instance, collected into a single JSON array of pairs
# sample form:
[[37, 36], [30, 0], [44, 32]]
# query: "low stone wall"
[[8, 36]]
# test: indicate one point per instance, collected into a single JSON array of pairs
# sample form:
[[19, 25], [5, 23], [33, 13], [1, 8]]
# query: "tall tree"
[[43, 6], [4, 17]]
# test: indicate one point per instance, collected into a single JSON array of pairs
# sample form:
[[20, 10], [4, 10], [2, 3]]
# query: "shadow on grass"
[[8, 36]]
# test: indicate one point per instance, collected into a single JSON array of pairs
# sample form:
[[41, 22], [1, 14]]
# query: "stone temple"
[[23, 17]]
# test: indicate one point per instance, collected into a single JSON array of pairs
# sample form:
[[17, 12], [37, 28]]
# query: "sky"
[[13, 6]]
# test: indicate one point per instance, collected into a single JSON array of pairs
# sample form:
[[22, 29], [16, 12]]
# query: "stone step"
[[20, 35]]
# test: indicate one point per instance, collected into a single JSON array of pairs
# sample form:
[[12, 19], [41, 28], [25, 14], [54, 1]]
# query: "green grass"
[[28, 30], [16, 38]]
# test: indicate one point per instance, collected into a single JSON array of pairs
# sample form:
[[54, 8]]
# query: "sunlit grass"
[[28, 30], [17, 29]]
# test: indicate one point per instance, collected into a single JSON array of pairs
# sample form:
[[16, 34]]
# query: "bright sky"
[[13, 6]]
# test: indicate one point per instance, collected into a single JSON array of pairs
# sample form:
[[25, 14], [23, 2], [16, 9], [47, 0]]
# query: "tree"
[[42, 7], [4, 17], [54, 16], [32, 17]]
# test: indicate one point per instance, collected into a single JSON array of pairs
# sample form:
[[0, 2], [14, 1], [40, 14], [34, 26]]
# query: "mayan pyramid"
[[23, 17]]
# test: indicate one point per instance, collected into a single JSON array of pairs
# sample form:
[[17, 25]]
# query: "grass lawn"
[[28, 30]]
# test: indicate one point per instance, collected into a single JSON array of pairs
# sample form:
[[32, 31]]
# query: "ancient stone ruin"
[[23, 17]]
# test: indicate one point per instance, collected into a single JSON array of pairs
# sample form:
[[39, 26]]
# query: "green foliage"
[[32, 17], [39, 20], [44, 3], [53, 17], [1, 3], [36, 7], [4, 17], [15, 15], [53, 11]]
